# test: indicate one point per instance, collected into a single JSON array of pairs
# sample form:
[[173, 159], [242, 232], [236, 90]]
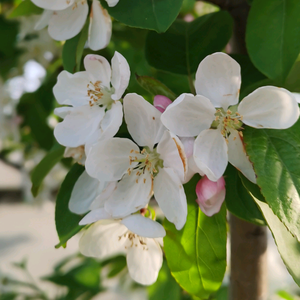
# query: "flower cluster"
[[122, 175]]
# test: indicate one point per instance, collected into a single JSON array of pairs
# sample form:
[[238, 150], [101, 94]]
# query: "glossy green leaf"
[[25, 8], [275, 155], [238, 201], [155, 87], [196, 255], [273, 36], [155, 15], [66, 222], [184, 45], [45, 166], [288, 246], [165, 287]]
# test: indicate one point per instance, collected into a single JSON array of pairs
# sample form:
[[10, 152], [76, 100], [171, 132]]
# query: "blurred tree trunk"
[[248, 267]]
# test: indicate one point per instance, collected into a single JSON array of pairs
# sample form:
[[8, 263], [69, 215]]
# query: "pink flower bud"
[[210, 195], [161, 102]]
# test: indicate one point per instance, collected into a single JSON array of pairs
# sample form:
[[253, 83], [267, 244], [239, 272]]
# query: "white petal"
[[172, 153], [188, 115], [109, 160], [84, 192], [101, 239], [269, 107], [44, 20], [78, 125], [144, 227], [105, 194], [98, 69], [237, 156], [71, 89], [120, 75], [100, 27], [145, 263], [53, 4], [210, 153], [297, 97], [62, 112], [109, 126], [67, 23], [94, 216], [219, 79], [170, 196], [112, 3], [132, 193], [143, 120]]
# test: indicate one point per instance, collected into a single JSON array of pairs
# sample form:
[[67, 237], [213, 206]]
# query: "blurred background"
[[30, 266]]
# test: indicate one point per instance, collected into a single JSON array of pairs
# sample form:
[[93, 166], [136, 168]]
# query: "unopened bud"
[[210, 195], [161, 102]]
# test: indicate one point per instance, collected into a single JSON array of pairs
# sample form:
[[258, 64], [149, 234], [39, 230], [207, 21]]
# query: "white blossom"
[[219, 138]]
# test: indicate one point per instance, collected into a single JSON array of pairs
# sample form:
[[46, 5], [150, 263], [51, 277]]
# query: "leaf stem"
[[191, 84]]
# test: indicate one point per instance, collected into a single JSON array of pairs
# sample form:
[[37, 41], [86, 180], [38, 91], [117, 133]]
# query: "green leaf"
[[275, 155], [285, 295], [196, 255], [238, 201], [154, 86], [184, 45], [288, 246], [156, 15], [66, 222], [45, 166], [73, 49], [165, 287], [25, 8], [273, 36]]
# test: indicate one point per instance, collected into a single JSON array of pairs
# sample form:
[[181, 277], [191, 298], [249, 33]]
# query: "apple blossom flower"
[[159, 168], [94, 111], [210, 195], [138, 237], [219, 138], [66, 18]]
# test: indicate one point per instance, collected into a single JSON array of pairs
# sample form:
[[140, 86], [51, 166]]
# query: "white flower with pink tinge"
[[158, 169], [139, 238], [94, 110], [66, 18], [214, 117]]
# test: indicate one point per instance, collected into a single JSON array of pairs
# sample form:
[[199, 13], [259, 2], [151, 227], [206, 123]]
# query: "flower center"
[[225, 121], [134, 240], [148, 161], [99, 94]]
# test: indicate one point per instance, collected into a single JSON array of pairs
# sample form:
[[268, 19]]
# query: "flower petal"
[[101, 239], [100, 27], [188, 115], [71, 89], [144, 227], [109, 126], [132, 193], [120, 75], [297, 97], [78, 125], [210, 153], [143, 120], [237, 156], [172, 153], [112, 3], [84, 192], [65, 24], [98, 69], [109, 160], [170, 196], [105, 194], [144, 263], [94, 216], [44, 20], [269, 107], [62, 112], [219, 79], [53, 4]]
